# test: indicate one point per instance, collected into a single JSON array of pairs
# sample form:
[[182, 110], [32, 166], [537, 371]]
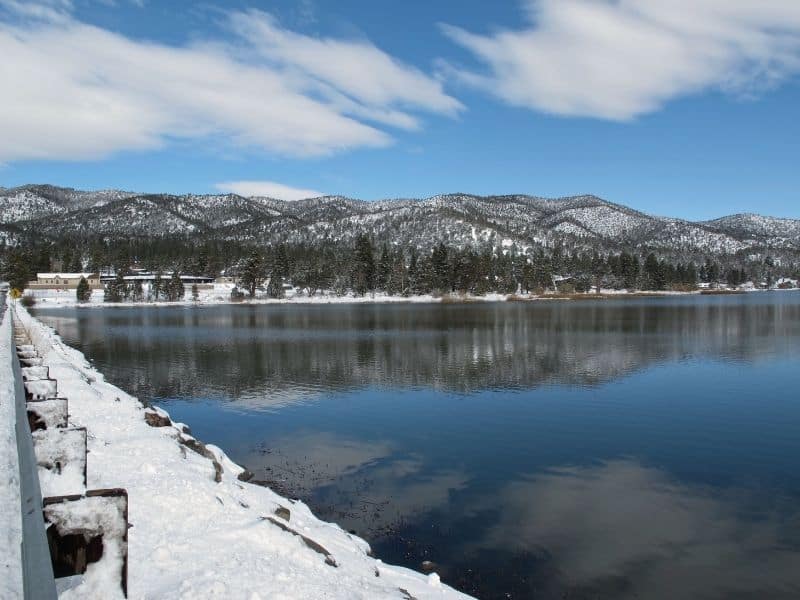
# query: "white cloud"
[[616, 59], [74, 91], [268, 189], [355, 69]]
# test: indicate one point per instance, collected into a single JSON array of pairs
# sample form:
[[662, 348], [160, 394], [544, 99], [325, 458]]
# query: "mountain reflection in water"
[[609, 449], [267, 354]]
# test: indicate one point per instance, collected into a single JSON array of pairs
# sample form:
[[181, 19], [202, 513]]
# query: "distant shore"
[[69, 302]]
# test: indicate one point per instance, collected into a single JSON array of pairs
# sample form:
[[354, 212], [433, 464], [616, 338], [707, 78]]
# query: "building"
[[147, 278], [63, 281]]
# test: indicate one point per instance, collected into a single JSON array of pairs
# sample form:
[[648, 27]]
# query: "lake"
[[633, 448]]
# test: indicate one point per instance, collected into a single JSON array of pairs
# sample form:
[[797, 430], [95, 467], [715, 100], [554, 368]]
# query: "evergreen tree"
[[17, 271], [279, 272], [175, 289], [413, 273], [363, 275], [115, 290], [253, 273], [76, 265], [137, 293], [83, 293], [384, 268], [441, 272], [654, 273], [158, 286]]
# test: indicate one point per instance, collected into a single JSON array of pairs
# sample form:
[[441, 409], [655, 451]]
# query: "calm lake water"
[[643, 448]]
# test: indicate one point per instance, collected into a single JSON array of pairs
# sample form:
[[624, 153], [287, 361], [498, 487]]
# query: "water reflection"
[[621, 449], [365, 486], [613, 529], [272, 356], [621, 529]]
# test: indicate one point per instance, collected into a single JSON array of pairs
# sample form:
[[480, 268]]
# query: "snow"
[[64, 275], [34, 373], [192, 537], [462, 219], [61, 460], [10, 508], [42, 388], [94, 516], [52, 412]]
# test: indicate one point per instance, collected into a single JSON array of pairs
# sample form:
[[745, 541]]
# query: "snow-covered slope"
[[460, 219], [757, 226]]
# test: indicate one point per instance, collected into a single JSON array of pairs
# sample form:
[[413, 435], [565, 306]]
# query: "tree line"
[[363, 266]]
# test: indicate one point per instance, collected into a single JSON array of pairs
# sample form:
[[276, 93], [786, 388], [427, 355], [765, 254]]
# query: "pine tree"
[[115, 290], [413, 273], [76, 265], [384, 268], [83, 293], [17, 269], [280, 270], [137, 294], [363, 275], [158, 286], [441, 271], [175, 289], [654, 272], [253, 273]]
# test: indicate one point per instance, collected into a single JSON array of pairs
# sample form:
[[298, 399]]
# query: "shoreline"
[[382, 299], [188, 500]]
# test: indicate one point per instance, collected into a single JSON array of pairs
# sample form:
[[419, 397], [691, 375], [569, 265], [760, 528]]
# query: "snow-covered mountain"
[[460, 219]]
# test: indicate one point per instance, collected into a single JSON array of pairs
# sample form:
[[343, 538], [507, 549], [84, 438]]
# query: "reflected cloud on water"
[[614, 529], [620, 529], [363, 485]]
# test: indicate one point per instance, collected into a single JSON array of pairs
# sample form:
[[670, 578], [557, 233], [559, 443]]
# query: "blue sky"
[[686, 108]]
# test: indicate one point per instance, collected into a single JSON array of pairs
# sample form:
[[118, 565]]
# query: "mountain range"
[[461, 219]]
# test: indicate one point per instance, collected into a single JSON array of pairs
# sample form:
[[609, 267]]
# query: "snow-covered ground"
[[10, 509], [193, 536], [52, 298]]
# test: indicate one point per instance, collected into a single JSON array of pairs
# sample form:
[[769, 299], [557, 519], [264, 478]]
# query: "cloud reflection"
[[620, 520], [363, 484]]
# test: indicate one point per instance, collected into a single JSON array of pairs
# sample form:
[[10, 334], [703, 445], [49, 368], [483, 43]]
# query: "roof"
[[65, 275]]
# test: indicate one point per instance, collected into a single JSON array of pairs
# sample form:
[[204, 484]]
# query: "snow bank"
[[193, 537], [10, 508]]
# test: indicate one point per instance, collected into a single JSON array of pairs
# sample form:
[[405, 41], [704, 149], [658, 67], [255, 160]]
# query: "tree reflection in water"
[[608, 449]]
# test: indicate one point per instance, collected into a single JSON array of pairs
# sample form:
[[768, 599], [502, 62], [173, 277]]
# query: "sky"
[[686, 108]]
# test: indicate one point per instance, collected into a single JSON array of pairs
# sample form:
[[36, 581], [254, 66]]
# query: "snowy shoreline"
[[69, 301], [198, 530]]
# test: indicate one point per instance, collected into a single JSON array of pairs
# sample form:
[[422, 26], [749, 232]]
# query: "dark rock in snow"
[[283, 512], [201, 449], [156, 419]]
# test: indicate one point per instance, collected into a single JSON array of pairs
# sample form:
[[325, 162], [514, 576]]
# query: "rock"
[[156, 419], [283, 512], [245, 475], [201, 449], [315, 546], [428, 566]]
